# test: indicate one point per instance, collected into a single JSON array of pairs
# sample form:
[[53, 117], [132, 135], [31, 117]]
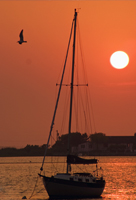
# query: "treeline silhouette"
[[59, 148], [120, 145], [29, 150]]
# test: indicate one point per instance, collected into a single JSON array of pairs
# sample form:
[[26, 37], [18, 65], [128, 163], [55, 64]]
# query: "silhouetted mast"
[[72, 80]]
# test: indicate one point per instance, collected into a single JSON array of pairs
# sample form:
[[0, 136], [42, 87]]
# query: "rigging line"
[[71, 88], [57, 100], [41, 169], [82, 65], [54, 162], [84, 109], [34, 187], [65, 106], [90, 118], [85, 75], [75, 112], [92, 111], [77, 76], [82, 56], [53, 139], [65, 112], [89, 122], [82, 169], [67, 97], [77, 66]]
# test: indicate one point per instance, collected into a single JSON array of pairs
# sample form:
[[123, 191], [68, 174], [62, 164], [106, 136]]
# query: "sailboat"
[[72, 185]]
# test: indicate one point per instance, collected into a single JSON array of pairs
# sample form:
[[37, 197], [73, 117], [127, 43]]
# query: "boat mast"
[[57, 99], [72, 80]]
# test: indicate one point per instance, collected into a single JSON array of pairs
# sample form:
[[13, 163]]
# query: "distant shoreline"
[[92, 155]]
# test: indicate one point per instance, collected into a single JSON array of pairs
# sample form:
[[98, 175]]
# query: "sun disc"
[[119, 59]]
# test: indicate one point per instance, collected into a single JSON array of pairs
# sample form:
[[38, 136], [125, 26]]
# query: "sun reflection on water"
[[18, 180]]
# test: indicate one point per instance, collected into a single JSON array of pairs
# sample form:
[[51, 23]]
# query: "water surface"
[[18, 176]]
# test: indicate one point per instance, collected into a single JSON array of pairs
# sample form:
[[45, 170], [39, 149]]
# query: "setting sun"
[[119, 59]]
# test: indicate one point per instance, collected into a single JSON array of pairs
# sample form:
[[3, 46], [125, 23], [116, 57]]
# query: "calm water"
[[18, 177]]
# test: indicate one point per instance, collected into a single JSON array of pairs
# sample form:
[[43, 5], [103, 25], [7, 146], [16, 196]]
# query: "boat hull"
[[59, 188]]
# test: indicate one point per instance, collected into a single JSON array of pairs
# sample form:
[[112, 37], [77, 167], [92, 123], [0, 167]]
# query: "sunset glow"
[[29, 72]]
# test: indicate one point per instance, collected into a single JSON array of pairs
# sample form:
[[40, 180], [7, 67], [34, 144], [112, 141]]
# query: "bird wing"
[[21, 35]]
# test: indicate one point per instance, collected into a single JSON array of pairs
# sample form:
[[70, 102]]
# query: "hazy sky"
[[29, 72]]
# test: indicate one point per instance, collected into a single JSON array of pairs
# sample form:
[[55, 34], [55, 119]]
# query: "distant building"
[[111, 145]]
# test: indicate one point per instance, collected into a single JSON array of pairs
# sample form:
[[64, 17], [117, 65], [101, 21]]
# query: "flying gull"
[[21, 38]]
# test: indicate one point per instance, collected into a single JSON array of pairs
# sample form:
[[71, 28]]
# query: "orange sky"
[[29, 72]]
